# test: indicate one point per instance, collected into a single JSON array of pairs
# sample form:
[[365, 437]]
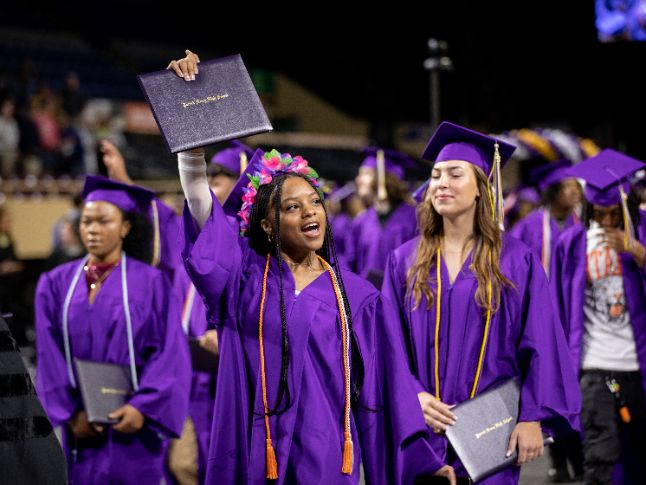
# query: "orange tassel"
[[625, 414], [348, 455], [272, 465]]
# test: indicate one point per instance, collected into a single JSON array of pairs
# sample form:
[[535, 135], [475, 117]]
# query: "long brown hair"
[[487, 247]]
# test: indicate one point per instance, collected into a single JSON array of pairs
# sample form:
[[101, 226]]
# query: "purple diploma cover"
[[221, 104]]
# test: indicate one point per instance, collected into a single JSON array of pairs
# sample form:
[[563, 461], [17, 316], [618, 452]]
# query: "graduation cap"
[[455, 142], [233, 202], [343, 192], [606, 176], [529, 194], [126, 197], [394, 162], [550, 173], [384, 161], [235, 158]]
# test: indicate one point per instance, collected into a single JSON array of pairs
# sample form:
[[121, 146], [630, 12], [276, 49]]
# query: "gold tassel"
[[272, 465], [497, 183], [243, 161], [628, 225], [348, 455], [382, 193]]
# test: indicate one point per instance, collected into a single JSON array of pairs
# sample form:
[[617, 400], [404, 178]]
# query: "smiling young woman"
[[111, 306], [475, 305]]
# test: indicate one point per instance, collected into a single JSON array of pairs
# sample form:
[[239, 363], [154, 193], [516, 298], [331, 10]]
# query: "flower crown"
[[272, 164]]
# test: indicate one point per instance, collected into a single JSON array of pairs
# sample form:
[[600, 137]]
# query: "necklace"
[[308, 264], [96, 274]]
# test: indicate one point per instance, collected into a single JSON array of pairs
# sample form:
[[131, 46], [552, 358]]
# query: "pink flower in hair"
[[274, 163], [249, 195], [299, 165], [265, 177]]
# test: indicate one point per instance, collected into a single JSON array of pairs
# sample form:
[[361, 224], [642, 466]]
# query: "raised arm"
[[192, 164], [192, 175]]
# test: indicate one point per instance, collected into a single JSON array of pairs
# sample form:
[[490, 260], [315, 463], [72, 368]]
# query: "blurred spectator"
[[44, 114], [73, 97], [9, 138]]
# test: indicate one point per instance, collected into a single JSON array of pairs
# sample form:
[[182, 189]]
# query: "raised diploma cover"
[[221, 104], [104, 388], [481, 433]]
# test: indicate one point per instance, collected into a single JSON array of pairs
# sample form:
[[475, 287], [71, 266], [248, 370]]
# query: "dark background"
[[517, 64]]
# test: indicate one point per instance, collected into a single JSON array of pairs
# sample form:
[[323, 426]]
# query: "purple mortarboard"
[[232, 158], [233, 203], [604, 174], [395, 162], [454, 142], [126, 197], [550, 173], [343, 192], [529, 194]]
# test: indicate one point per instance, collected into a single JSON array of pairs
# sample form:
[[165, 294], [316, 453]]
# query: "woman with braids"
[[311, 383], [112, 306], [475, 306]]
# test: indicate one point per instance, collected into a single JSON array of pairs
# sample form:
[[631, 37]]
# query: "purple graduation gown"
[[525, 340], [641, 229], [530, 231], [341, 225], [169, 239], [308, 436], [202, 383], [369, 242], [98, 332], [568, 285]]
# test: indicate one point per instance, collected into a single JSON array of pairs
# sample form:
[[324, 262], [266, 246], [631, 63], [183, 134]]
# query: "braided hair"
[[268, 198]]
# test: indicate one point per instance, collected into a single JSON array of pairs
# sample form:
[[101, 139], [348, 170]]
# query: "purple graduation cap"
[[550, 173], [395, 162], [606, 175], [455, 142], [126, 197], [233, 203], [529, 194], [343, 192], [231, 158]]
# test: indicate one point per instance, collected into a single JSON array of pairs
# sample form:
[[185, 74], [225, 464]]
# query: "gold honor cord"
[[348, 454], [485, 335]]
